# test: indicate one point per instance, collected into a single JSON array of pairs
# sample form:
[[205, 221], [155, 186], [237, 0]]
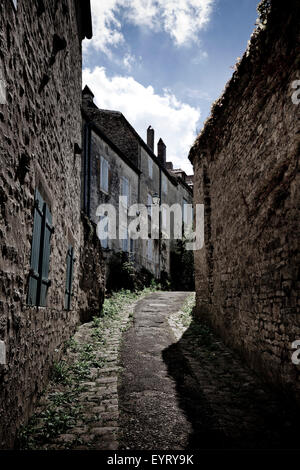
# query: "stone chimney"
[[161, 152], [169, 166], [87, 94], [150, 138]]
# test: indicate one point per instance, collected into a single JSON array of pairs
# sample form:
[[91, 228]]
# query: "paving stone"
[[106, 380], [105, 431]]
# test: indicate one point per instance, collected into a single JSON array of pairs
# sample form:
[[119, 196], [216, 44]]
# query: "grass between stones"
[[185, 323], [59, 407]]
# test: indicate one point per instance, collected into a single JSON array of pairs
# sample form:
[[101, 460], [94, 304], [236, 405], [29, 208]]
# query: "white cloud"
[[175, 122], [181, 19], [128, 61]]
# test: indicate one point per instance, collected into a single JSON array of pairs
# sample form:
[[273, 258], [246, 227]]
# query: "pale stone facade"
[[129, 157]]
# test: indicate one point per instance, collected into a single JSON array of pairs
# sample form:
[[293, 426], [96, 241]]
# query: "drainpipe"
[[159, 226], [87, 170]]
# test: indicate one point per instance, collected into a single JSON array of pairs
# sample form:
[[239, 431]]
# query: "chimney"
[[161, 152], [169, 166], [87, 94], [150, 138]]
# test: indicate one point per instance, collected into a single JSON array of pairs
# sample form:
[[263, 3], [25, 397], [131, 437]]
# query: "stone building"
[[246, 163], [48, 255], [119, 162]]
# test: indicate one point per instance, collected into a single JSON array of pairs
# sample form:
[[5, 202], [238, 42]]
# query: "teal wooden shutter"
[[69, 278], [47, 230], [40, 253], [34, 275]]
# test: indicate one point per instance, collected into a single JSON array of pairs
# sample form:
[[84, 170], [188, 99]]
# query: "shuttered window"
[[69, 278], [104, 174], [40, 253]]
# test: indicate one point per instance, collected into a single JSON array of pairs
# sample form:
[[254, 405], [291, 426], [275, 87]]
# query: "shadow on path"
[[226, 403]]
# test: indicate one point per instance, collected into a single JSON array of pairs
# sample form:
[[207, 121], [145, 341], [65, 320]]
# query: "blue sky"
[[164, 62]]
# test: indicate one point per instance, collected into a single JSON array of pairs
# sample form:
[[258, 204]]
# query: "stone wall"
[[246, 173], [40, 123], [92, 273]]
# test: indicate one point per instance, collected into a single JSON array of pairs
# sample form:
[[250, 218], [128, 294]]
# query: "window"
[[69, 277], [131, 245], [150, 167], [149, 205], [125, 189], [149, 250], [164, 184], [40, 253], [104, 174]]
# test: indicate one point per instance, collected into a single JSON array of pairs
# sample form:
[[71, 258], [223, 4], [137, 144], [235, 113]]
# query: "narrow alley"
[[155, 378]]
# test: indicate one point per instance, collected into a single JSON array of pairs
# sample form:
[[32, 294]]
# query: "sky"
[[164, 62]]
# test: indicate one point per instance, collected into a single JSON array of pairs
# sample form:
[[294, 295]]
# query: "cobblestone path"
[[172, 385], [181, 388], [79, 410]]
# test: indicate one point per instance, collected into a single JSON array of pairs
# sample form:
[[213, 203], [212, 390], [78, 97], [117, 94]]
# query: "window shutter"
[[34, 276], [40, 253], [47, 230], [69, 278]]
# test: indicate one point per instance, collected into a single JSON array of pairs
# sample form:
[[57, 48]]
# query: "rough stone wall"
[[92, 273], [40, 58], [246, 163]]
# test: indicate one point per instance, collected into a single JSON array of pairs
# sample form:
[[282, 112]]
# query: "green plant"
[[60, 372], [63, 406]]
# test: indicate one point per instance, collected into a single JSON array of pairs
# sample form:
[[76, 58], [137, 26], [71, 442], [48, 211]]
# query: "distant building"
[[119, 162]]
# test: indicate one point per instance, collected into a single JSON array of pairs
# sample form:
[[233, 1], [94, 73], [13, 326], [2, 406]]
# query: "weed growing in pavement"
[[62, 408]]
